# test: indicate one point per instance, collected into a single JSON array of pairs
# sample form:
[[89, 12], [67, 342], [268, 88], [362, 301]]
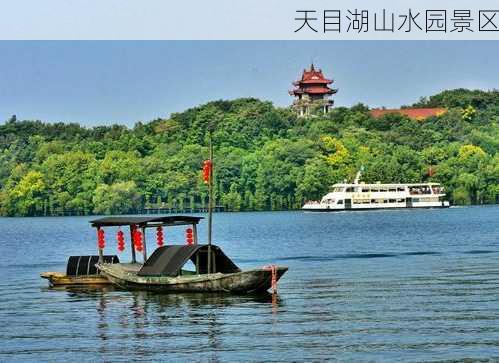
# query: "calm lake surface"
[[413, 285]]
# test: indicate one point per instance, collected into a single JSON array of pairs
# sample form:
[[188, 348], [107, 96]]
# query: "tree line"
[[266, 158]]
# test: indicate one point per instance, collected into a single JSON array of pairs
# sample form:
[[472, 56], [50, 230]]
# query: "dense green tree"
[[27, 196], [265, 157], [118, 198]]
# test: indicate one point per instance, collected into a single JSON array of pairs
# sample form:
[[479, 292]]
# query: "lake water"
[[411, 285]]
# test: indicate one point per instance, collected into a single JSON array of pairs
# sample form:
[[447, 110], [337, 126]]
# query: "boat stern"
[[258, 280]]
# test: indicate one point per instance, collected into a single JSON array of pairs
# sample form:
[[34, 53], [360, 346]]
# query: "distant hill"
[[266, 158]]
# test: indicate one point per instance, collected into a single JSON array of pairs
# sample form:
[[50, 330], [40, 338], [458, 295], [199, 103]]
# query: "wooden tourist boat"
[[164, 270], [212, 270]]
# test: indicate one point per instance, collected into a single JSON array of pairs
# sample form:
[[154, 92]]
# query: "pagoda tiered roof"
[[313, 82]]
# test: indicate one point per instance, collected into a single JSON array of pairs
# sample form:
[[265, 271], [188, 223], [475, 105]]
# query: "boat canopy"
[[144, 222], [168, 260]]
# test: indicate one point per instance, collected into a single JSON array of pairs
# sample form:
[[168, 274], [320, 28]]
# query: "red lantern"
[[101, 241], [120, 237], [188, 236], [159, 236], [137, 240], [207, 165]]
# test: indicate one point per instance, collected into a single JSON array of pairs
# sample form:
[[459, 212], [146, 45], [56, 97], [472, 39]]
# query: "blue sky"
[[104, 82]]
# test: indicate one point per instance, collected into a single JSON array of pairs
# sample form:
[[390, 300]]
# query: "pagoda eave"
[[315, 90], [316, 81]]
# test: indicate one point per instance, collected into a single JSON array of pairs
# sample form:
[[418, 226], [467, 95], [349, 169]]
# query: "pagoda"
[[312, 91]]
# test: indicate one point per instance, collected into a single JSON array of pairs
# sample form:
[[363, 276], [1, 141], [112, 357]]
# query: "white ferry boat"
[[362, 196]]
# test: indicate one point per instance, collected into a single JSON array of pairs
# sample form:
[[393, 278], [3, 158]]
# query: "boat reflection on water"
[[138, 304], [150, 323], [146, 298]]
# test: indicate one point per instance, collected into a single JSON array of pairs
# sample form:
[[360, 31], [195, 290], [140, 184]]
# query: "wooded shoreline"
[[266, 157]]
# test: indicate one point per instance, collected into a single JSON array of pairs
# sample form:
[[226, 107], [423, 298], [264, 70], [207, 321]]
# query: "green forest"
[[266, 158]]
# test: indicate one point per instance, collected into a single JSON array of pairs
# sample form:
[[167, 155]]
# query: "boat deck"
[[130, 267], [59, 278]]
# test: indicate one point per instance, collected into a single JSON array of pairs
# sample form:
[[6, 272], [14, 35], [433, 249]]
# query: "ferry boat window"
[[392, 190], [415, 190], [340, 201], [400, 200], [338, 189], [374, 190], [373, 201], [436, 189], [350, 189], [420, 189], [365, 190], [400, 189], [382, 189], [391, 200]]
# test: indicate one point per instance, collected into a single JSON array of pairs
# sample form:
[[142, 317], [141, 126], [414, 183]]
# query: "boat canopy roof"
[[168, 260], [145, 221]]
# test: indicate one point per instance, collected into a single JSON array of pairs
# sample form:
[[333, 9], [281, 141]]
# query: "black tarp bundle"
[[85, 265]]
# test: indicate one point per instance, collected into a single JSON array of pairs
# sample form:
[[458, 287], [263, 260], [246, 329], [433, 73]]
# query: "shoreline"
[[263, 211]]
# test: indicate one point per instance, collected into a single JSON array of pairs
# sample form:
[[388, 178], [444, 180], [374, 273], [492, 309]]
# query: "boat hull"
[[256, 280], [365, 209], [60, 279]]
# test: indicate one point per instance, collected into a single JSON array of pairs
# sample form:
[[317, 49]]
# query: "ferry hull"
[[365, 209]]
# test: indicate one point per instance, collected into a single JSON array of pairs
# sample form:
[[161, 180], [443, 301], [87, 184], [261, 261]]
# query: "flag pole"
[[210, 201]]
